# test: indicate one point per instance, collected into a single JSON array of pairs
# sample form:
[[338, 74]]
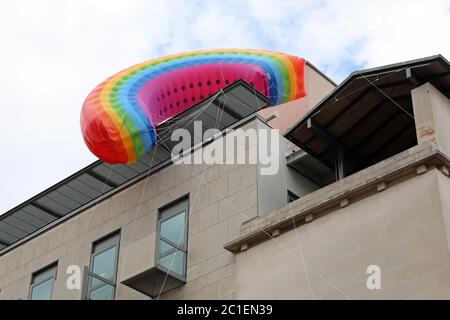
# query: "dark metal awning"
[[369, 116], [100, 180]]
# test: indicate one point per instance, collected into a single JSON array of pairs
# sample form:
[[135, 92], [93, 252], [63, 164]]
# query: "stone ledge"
[[350, 189]]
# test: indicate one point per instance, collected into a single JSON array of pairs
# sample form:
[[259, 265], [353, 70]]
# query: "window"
[[41, 287], [172, 242], [102, 274], [291, 196]]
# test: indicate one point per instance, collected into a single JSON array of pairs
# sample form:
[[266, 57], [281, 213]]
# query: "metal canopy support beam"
[[348, 131], [4, 242], [101, 179], [377, 129], [349, 106], [369, 114], [412, 77], [226, 108], [332, 140], [438, 76], [377, 152], [46, 210], [340, 164]]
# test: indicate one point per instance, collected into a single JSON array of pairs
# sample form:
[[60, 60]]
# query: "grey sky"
[[52, 53]]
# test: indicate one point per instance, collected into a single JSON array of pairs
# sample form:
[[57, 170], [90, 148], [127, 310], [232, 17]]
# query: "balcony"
[[142, 271]]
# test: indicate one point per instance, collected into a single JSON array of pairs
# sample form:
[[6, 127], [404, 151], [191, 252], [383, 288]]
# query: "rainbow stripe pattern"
[[119, 117]]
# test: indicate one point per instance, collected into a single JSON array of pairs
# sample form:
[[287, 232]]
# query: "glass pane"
[[42, 291], [173, 228], [104, 264], [164, 247], [104, 292], [174, 262]]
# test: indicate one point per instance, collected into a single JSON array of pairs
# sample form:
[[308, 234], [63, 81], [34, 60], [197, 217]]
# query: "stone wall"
[[221, 198], [403, 230]]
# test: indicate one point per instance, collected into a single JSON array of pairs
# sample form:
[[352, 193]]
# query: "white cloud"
[[54, 52]]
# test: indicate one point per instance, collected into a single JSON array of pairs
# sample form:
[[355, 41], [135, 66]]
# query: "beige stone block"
[[357, 290], [208, 216], [192, 273], [70, 231], [26, 256], [84, 223], [207, 266], [137, 257], [245, 247], [399, 292], [344, 202], [225, 258], [3, 260], [421, 169], [199, 198], [206, 293], [197, 170], [197, 284], [211, 172], [17, 290], [40, 248], [309, 218], [217, 238], [198, 247], [180, 190], [193, 223], [229, 297], [381, 186], [234, 225], [161, 200], [134, 196], [135, 295], [98, 219], [226, 209], [219, 274], [124, 292], [95, 234], [140, 227], [14, 276], [151, 183], [275, 232], [431, 115], [113, 206], [431, 285], [226, 287], [241, 177], [244, 199], [218, 189], [226, 168], [166, 179], [181, 173]]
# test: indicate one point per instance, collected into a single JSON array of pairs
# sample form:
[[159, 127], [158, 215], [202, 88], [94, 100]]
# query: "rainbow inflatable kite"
[[119, 116]]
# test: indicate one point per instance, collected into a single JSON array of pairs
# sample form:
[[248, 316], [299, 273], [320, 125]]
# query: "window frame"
[[159, 237], [52, 276], [114, 243]]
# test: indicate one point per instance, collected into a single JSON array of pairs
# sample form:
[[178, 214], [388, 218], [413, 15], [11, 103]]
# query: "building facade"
[[358, 207]]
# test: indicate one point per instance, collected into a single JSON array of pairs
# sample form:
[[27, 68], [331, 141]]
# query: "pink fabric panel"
[[175, 91]]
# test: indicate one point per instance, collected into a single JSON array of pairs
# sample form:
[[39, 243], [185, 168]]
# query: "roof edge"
[[354, 74]]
